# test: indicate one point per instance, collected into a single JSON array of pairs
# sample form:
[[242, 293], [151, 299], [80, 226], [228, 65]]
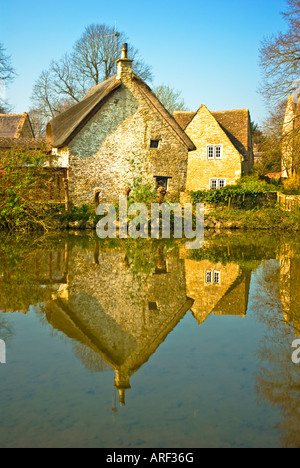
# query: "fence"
[[288, 202]]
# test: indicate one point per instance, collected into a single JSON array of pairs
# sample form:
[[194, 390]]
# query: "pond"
[[144, 344]]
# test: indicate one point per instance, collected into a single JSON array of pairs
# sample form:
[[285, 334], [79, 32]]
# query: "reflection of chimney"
[[124, 65], [122, 397], [122, 383]]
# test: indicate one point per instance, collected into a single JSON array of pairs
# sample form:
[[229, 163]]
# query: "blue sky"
[[207, 49]]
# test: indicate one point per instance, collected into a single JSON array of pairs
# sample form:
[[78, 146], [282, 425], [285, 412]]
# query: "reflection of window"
[[154, 143], [152, 305], [217, 183], [161, 268], [216, 277], [212, 277]]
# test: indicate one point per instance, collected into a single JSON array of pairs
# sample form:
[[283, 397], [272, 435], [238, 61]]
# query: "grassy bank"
[[262, 219]]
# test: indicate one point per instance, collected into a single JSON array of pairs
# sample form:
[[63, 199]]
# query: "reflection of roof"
[[121, 350], [235, 300], [62, 129]]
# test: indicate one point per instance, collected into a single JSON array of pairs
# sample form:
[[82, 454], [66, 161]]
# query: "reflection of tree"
[[278, 379], [92, 360], [6, 330]]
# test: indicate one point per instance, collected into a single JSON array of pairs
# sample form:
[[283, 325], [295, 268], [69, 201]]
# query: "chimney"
[[124, 65]]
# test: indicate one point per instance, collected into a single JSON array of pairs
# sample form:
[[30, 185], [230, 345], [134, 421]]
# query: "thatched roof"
[[165, 114], [235, 123], [63, 128], [11, 125]]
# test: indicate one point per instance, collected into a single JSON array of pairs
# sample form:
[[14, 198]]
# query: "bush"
[[292, 184], [247, 189]]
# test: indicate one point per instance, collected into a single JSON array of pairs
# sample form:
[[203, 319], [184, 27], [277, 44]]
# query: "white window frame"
[[214, 151], [217, 275], [212, 277], [217, 183]]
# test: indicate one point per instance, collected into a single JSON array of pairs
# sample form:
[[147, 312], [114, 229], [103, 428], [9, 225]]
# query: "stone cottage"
[[15, 126], [223, 143], [119, 131], [290, 139], [17, 135]]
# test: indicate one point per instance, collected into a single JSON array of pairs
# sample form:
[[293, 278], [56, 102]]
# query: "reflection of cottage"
[[117, 132], [42, 273], [216, 288], [223, 147], [290, 288], [118, 312]]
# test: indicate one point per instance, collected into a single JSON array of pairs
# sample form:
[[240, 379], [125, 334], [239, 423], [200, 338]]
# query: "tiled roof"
[[235, 123], [184, 118], [28, 143], [11, 124]]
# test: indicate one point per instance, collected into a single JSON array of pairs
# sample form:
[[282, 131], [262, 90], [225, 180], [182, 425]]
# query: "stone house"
[[15, 126], [16, 134], [290, 139], [119, 131], [223, 143]]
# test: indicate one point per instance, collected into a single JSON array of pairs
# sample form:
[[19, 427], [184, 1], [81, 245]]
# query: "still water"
[[146, 344]]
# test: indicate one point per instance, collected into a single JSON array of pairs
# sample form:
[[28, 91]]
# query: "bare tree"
[[7, 74], [269, 140], [170, 98], [280, 58], [91, 61]]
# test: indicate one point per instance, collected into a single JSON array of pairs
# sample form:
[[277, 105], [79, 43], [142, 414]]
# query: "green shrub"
[[247, 189]]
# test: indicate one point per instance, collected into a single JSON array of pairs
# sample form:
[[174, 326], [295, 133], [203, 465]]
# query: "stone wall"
[[204, 130], [114, 147], [288, 202]]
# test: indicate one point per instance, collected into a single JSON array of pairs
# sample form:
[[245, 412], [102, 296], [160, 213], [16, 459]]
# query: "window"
[[209, 277], [218, 152], [212, 277], [214, 151], [161, 181], [210, 152], [154, 143], [217, 183]]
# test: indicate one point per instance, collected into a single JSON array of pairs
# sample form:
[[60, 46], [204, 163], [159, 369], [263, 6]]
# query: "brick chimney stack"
[[124, 65]]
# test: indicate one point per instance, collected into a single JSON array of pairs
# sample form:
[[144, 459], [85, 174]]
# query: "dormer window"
[[154, 144], [214, 151]]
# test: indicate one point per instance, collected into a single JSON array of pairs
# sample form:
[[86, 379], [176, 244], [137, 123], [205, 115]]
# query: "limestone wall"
[[114, 147], [204, 130]]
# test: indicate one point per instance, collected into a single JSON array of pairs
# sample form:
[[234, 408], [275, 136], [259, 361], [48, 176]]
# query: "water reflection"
[[118, 301]]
